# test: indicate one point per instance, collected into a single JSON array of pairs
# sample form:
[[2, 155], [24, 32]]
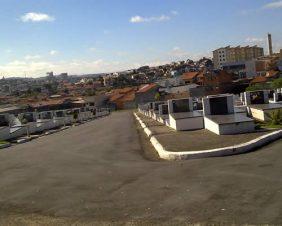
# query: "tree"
[[157, 96], [277, 83], [258, 86]]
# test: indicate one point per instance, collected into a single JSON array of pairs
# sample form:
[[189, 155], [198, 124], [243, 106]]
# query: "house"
[[272, 74], [181, 95], [259, 80], [123, 98], [257, 67], [189, 77], [217, 82], [146, 93]]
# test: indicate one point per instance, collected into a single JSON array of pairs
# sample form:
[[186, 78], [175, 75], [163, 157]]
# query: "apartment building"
[[235, 54]]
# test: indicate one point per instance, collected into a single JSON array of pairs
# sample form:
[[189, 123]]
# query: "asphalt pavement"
[[98, 172]]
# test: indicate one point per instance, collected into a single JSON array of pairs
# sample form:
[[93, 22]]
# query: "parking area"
[[97, 173]]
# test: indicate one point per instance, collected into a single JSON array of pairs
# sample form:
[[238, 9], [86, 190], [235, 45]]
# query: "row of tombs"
[[221, 114], [14, 126]]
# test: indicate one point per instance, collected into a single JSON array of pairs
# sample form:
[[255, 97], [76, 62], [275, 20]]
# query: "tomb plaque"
[[271, 94], [257, 97], [164, 109], [3, 121], [157, 105], [218, 106], [279, 97], [28, 117], [180, 106]]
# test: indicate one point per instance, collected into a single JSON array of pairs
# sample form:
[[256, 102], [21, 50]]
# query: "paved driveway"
[[96, 173]]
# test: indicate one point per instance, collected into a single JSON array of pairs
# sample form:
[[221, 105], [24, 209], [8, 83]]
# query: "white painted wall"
[[186, 123]]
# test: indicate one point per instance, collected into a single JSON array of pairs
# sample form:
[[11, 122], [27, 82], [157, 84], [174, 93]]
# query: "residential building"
[[235, 54], [259, 80], [280, 61], [123, 98], [193, 77], [146, 93], [217, 82], [257, 67]]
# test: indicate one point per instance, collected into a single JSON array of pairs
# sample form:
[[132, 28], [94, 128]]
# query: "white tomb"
[[163, 116], [258, 105], [45, 120], [220, 116], [183, 117], [275, 96], [155, 112]]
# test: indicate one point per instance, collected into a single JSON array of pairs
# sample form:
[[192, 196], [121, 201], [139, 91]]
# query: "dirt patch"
[[148, 151]]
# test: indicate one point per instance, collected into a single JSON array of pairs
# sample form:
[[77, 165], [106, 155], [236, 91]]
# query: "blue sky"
[[92, 36]]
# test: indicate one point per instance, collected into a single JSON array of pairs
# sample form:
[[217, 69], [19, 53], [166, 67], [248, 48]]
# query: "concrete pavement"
[[97, 173]]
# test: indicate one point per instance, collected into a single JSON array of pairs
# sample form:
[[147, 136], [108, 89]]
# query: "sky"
[[96, 36]]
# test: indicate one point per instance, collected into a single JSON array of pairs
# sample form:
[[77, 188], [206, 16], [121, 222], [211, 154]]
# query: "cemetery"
[[182, 115], [22, 126], [258, 105], [275, 96], [163, 114], [216, 113], [194, 140], [210, 122], [220, 116]]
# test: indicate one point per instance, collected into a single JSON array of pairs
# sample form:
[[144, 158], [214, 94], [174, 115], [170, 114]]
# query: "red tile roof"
[[128, 97], [189, 75], [146, 88], [122, 91], [116, 97], [272, 73], [177, 95], [259, 79]]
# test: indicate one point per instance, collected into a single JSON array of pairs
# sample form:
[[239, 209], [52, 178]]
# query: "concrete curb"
[[218, 152], [2, 146]]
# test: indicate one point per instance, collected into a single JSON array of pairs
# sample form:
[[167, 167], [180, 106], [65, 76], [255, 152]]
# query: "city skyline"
[[95, 37]]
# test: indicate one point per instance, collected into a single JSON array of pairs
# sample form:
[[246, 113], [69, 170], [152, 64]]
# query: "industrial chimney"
[[270, 44]]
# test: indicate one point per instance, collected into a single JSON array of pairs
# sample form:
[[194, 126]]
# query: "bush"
[[275, 117]]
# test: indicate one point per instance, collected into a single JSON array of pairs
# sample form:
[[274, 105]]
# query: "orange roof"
[[116, 97], [128, 97], [146, 88], [177, 95], [122, 91], [259, 79], [272, 73], [189, 75], [201, 75]]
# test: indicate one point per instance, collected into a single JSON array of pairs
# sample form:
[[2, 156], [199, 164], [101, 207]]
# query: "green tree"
[[277, 83], [258, 86], [157, 96]]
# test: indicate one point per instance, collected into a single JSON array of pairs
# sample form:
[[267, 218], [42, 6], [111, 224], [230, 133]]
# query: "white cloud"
[[273, 5], [178, 52], [36, 17], [53, 52], [39, 68], [140, 19], [32, 57], [254, 40]]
